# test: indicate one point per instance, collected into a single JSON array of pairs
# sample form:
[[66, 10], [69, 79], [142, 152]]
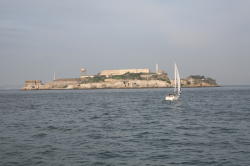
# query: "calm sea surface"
[[208, 126]]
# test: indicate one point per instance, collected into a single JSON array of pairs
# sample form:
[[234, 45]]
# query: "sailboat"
[[177, 86]]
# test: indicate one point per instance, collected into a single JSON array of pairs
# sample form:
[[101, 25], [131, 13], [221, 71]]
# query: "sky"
[[205, 37]]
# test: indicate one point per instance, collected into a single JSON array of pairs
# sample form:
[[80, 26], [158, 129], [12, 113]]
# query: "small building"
[[32, 84], [86, 76], [195, 79]]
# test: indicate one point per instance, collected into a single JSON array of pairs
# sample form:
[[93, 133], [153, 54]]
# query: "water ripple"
[[208, 126]]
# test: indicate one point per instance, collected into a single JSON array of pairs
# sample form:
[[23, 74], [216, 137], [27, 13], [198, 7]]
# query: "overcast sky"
[[207, 37]]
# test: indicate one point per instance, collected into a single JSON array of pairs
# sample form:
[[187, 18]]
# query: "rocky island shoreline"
[[119, 79]]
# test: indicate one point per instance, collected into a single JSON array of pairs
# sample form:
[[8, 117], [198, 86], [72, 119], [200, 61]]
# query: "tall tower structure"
[[54, 77], [156, 68]]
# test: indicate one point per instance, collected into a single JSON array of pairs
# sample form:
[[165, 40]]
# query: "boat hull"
[[171, 97]]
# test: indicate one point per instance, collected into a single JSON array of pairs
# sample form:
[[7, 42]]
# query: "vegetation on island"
[[199, 79], [95, 79], [127, 76], [142, 76], [162, 77]]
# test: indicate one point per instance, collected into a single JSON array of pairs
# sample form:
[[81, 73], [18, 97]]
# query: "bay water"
[[207, 126]]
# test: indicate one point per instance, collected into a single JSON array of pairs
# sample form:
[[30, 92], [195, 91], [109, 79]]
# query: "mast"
[[178, 81]]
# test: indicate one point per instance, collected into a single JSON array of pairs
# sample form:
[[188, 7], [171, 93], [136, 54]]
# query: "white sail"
[[177, 86], [178, 81]]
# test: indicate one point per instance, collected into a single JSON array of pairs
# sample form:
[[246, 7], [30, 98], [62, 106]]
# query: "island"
[[118, 79]]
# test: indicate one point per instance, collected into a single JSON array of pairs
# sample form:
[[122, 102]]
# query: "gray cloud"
[[203, 37]]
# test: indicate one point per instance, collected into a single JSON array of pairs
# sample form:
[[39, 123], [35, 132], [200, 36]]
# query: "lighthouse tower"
[[156, 68]]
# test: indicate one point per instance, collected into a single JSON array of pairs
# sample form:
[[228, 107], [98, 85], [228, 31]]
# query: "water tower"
[[83, 72]]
